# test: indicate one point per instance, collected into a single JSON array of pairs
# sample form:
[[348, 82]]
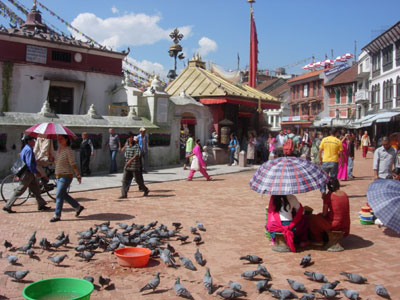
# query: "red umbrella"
[[49, 130]]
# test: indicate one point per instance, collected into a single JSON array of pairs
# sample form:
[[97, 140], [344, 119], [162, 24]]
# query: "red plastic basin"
[[133, 257]]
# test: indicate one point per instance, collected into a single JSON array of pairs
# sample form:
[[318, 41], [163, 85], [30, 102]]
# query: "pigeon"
[[381, 291], [18, 275], [32, 239], [170, 248], [26, 247], [262, 285], [104, 281], [182, 238], [177, 225], [328, 293], [113, 246], [253, 259], [197, 239], [297, 286], [80, 248], [305, 261], [122, 225], [57, 243], [199, 258], [7, 244], [307, 297], [193, 230], [65, 240], [235, 285], [60, 236], [45, 244], [89, 278], [354, 278], [12, 259], [58, 259], [153, 284], [249, 274], [282, 294], [86, 234], [128, 229], [187, 263], [231, 294], [351, 294], [316, 276], [180, 290], [200, 226], [330, 285], [263, 272], [167, 259], [86, 255], [207, 281]]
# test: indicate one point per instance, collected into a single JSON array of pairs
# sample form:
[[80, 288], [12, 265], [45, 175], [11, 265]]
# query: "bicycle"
[[11, 181]]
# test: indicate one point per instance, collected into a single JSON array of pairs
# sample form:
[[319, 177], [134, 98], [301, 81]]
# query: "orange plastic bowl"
[[133, 257]]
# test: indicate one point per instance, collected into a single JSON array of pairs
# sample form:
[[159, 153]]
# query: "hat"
[[142, 129], [135, 138], [27, 138]]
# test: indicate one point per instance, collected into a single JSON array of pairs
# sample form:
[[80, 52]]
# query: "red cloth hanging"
[[253, 52]]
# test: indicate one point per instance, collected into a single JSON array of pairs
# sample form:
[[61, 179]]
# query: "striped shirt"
[[131, 151], [65, 162]]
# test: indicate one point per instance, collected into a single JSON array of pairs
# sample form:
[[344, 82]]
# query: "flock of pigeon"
[[105, 238]]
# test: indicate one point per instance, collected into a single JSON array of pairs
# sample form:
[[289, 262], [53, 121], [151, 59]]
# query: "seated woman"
[[285, 215], [335, 214]]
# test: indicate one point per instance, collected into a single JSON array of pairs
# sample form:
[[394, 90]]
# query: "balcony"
[[362, 95]]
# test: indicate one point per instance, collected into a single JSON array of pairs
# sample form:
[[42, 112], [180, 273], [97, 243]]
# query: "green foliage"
[[6, 84]]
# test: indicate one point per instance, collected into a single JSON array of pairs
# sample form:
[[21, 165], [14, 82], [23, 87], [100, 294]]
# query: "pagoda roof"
[[199, 82]]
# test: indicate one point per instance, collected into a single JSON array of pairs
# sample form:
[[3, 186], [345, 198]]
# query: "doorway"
[[61, 100]]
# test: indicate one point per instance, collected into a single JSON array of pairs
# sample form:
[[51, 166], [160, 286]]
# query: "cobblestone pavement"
[[234, 217]]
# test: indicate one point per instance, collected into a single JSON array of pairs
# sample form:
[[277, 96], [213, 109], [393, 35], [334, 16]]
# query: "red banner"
[[253, 52]]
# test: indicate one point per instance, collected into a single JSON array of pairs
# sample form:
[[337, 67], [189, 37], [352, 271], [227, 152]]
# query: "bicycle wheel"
[[8, 185], [53, 183]]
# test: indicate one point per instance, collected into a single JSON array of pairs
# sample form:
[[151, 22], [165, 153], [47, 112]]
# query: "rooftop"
[[347, 76], [306, 75]]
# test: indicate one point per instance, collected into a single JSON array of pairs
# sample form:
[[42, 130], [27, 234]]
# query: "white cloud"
[[127, 30], [148, 66], [114, 10], [206, 46]]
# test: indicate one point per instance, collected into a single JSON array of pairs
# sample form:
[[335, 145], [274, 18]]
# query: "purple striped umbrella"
[[49, 130], [288, 175]]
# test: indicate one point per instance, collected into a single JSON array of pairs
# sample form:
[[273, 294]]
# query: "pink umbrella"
[[348, 55], [49, 131]]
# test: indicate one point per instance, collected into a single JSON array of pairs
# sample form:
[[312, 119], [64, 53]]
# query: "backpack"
[[288, 147]]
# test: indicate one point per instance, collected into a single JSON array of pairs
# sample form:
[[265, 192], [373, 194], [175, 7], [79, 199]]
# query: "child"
[[205, 155]]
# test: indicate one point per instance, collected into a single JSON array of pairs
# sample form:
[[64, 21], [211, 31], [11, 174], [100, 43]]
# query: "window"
[[314, 89], [297, 91], [388, 94], [61, 56], [337, 95], [373, 96], [61, 100], [349, 95], [349, 113], [319, 88], [305, 90], [377, 96], [387, 58], [398, 91], [397, 45], [376, 65]]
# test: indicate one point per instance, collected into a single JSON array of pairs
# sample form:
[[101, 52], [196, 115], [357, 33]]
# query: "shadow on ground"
[[104, 217], [355, 242], [390, 232]]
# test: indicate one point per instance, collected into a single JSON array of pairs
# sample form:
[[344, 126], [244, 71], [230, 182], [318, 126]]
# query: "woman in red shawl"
[[285, 215], [200, 162]]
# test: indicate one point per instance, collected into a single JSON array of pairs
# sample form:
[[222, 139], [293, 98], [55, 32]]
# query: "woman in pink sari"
[[200, 162], [342, 171]]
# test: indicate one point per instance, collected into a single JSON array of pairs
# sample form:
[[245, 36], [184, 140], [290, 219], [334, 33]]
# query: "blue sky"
[[289, 31]]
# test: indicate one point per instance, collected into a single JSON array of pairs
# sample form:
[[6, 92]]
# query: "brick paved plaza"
[[234, 217]]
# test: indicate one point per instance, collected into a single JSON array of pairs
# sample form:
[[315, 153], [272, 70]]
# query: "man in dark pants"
[[132, 167], [27, 179], [86, 151]]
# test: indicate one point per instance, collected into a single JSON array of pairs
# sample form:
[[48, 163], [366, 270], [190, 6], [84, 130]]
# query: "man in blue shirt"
[[144, 146], [27, 179]]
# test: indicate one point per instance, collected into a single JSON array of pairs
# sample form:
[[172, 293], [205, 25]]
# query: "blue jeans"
[[350, 166], [62, 187], [331, 168], [232, 158], [143, 160], [113, 161]]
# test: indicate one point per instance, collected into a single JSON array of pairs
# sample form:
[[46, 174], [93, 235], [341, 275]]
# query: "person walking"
[[332, 148], [188, 150], [65, 169], [344, 159], [271, 147], [351, 150], [114, 145], [232, 148], [365, 143], [385, 160], [198, 163], [132, 168], [85, 151], [251, 148], [144, 147], [44, 154], [280, 140], [27, 179]]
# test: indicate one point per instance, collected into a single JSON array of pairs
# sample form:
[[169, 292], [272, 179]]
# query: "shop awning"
[[323, 122], [360, 122], [245, 102], [379, 118]]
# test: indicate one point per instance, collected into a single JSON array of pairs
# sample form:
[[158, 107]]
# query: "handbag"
[[195, 164], [18, 167]]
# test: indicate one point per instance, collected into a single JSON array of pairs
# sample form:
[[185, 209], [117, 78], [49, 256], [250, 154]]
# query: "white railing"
[[362, 94]]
